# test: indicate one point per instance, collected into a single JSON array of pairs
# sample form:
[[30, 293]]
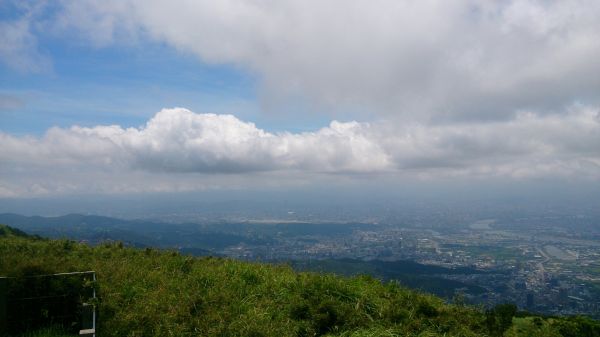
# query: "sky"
[[131, 97]]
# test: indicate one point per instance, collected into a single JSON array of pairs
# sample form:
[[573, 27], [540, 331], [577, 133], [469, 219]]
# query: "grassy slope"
[[159, 293]]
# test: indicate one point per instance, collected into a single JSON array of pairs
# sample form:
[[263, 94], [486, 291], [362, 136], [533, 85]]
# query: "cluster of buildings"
[[538, 271]]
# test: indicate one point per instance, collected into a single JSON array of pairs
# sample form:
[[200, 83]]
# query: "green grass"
[[161, 293], [532, 326]]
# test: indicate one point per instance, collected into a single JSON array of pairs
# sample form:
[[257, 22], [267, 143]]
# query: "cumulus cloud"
[[178, 140], [177, 143], [433, 60]]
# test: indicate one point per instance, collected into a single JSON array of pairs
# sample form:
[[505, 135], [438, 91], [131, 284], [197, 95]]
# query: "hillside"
[[148, 292]]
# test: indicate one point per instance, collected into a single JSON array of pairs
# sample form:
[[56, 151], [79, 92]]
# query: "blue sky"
[[126, 84], [279, 94], [88, 86]]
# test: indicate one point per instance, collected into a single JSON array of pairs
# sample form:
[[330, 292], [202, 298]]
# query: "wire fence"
[[66, 301]]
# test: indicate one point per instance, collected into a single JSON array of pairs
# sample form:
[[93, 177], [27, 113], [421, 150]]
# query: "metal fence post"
[[3, 301], [88, 319]]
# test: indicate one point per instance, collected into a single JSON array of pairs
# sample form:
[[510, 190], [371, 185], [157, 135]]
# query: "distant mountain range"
[[143, 233]]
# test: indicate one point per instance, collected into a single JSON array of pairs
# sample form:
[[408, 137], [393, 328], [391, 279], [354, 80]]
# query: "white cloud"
[[181, 150], [440, 60], [178, 140], [18, 46], [454, 88]]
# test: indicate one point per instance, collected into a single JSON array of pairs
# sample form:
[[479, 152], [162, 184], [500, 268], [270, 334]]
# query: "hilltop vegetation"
[[148, 292]]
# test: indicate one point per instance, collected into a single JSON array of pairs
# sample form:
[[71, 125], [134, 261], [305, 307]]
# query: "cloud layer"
[[452, 88], [431, 60], [180, 143]]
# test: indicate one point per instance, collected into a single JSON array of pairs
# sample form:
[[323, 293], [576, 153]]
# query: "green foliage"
[[6, 231], [531, 326], [499, 319], [161, 293], [577, 327]]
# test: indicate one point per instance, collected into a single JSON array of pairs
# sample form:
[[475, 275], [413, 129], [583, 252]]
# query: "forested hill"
[[149, 292]]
